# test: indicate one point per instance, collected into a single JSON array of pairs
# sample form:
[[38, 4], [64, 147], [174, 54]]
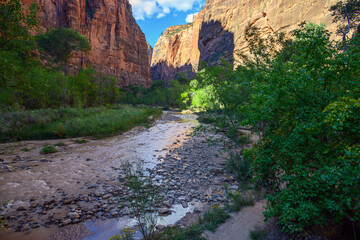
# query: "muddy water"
[[79, 168]]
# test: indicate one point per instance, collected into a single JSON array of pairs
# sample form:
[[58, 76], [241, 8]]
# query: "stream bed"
[[76, 193]]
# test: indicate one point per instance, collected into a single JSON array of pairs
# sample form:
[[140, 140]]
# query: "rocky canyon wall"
[[218, 31], [118, 46]]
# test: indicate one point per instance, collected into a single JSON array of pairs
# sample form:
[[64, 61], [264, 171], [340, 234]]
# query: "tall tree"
[[59, 45], [16, 21], [347, 15]]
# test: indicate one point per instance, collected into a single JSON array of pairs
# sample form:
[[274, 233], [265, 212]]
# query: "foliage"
[[3, 224], [145, 198], [59, 144], [238, 201], [27, 83], [157, 95], [80, 141], [210, 221], [239, 167], [59, 45], [348, 15], [258, 234], [307, 160], [72, 122], [125, 234], [16, 23], [48, 149], [179, 29]]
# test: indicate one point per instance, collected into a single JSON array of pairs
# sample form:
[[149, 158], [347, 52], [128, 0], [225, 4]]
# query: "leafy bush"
[[239, 167], [48, 149], [258, 234], [80, 141], [212, 219], [59, 144], [238, 201]]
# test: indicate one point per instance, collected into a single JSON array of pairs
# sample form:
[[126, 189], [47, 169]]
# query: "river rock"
[[73, 215], [66, 222], [21, 208], [167, 204], [75, 221], [164, 211], [184, 204], [107, 196], [160, 227]]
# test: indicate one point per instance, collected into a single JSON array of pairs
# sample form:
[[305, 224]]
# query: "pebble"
[[73, 215], [164, 211], [66, 222], [184, 204]]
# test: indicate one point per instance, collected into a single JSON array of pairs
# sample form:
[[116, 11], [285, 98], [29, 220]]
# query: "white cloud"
[[144, 8], [149, 8], [190, 18], [160, 15]]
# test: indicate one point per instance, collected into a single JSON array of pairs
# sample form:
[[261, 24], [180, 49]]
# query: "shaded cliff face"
[[218, 31], [173, 53], [118, 46]]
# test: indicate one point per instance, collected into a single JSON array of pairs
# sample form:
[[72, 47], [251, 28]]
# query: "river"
[[83, 178]]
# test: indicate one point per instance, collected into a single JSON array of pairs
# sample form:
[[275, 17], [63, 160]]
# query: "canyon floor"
[[76, 193]]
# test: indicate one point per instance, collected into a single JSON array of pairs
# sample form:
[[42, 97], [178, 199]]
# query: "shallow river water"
[[77, 169]]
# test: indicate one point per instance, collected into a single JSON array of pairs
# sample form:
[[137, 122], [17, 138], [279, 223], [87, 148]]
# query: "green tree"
[[347, 15], [308, 157], [60, 44], [16, 22]]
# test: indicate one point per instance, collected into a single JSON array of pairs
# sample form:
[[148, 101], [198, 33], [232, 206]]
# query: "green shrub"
[[80, 141], [48, 149], [258, 234], [238, 201], [59, 144], [212, 219], [240, 167], [25, 149], [190, 233]]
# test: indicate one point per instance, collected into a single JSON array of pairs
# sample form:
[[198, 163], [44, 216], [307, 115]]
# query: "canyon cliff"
[[118, 46], [218, 31]]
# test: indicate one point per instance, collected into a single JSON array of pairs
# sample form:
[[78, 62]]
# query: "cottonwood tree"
[[16, 21], [347, 15], [59, 45]]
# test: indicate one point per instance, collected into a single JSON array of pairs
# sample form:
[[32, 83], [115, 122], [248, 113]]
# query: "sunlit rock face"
[[218, 32], [118, 45]]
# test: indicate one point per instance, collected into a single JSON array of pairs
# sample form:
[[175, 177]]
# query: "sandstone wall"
[[218, 31], [118, 45]]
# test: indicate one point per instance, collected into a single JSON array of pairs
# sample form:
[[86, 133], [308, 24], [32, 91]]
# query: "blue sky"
[[154, 16]]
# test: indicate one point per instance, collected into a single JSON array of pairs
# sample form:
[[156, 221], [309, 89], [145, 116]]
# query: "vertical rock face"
[[118, 46], [150, 52], [218, 31]]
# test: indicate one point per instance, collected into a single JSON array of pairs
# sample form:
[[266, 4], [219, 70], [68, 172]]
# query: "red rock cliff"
[[118, 45], [218, 31]]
